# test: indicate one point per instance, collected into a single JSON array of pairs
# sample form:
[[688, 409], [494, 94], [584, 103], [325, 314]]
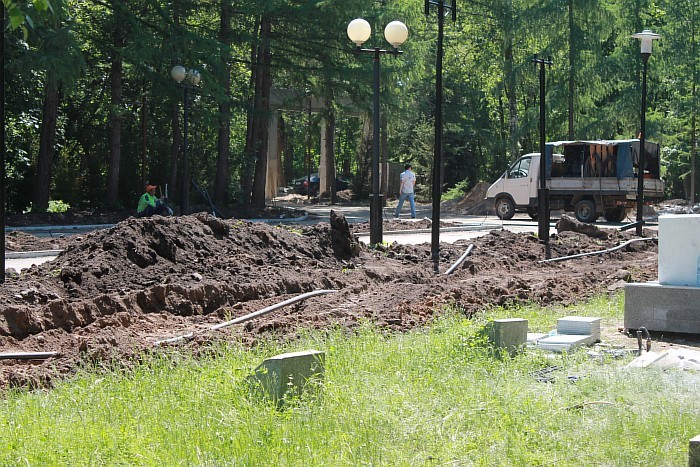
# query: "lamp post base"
[[543, 214], [375, 218]]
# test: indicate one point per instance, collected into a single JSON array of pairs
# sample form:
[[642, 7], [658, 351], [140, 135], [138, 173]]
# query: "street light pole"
[[188, 80], [543, 191], [395, 33], [438, 151], [646, 37], [2, 145]]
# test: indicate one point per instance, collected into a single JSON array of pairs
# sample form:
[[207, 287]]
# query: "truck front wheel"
[[616, 214], [585, 211], [505, 209]]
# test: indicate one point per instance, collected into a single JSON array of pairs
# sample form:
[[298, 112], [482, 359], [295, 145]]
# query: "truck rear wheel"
[[616, 214], [585, 211], [533, 213], [505, 209]]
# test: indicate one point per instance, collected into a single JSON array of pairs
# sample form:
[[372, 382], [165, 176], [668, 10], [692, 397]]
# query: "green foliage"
[[58, 206], [457, 192], [490, 87]]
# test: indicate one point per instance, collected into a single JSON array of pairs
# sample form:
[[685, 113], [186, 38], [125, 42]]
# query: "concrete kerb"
[[31, 254]]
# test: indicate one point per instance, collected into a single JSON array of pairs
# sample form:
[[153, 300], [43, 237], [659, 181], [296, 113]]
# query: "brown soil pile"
[[112, 293], [474, 202]]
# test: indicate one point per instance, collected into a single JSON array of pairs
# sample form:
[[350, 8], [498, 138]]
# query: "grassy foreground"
[[430, 397]]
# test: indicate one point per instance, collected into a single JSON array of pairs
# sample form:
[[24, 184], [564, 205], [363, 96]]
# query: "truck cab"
[[516, 189]]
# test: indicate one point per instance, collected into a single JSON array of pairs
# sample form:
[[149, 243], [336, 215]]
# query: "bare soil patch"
[[114, 292]]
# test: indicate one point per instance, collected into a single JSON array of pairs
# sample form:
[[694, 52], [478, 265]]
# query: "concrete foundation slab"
[[579, 325], [564, 342], [662, 308]]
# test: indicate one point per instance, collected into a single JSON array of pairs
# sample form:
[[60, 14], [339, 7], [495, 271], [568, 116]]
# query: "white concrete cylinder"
[[679, 250]]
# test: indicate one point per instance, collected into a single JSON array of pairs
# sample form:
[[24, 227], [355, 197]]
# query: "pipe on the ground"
[[591, 253], [248, 317], [27, 355], [631, 226], [460, 260]]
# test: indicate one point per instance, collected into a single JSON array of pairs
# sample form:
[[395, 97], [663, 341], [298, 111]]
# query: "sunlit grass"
[[434, 396]]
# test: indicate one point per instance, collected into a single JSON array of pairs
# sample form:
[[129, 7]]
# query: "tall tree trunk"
[[251, 126], [115, 119], [510, 81], [383, 136], [262, 113], [572, 68], [224, 137], [144, 128], [330, 150], [361, 184], [177, 134], [287, 151], [175, 148], [46, 146]]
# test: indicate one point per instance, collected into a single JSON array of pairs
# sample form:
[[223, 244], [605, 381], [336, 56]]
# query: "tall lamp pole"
[[188, 80], [647, 38], [2, 144], [396, 34], [543, 191], [438, 151]]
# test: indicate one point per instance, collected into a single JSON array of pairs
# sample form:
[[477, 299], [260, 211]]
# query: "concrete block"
[[662, 308], [679, 250], [287, 374], [509, 334], [694, 452], [579, 325], [565, 342]]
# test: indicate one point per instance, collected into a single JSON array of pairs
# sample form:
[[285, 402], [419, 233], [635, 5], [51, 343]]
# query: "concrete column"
[[274, 163], [323, 163]]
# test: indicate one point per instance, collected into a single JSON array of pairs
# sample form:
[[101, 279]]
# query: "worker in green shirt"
[[150, 205]]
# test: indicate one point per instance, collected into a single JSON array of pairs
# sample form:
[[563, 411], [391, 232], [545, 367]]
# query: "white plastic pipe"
[[460, 260], [591, 253], [248, 317]]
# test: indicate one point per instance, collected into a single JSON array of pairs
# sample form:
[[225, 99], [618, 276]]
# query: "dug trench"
[[111, 295]]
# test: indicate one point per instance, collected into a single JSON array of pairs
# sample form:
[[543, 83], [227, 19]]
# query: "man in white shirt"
[[408, 181]]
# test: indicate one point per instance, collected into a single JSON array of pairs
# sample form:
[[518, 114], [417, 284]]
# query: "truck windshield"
[[520, 168]]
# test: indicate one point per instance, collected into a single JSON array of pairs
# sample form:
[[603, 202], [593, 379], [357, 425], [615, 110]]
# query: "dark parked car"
[[301, 185]]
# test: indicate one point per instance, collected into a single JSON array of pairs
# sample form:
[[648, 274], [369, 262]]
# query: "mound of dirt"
[[474, 202], [111, 294]]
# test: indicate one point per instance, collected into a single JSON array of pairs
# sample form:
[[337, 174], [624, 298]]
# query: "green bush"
[[56, 206]]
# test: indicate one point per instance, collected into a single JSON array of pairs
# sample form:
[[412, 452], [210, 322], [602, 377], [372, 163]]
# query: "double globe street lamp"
[[187, 79], [396, 34]]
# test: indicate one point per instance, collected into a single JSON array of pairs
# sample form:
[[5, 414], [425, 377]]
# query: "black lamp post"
[[395, 33], [543, 191], [2, 144], [647, 38], [437, 157], [188, 80]]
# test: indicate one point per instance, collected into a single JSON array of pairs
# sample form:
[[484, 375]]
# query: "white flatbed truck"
[[588, 178]]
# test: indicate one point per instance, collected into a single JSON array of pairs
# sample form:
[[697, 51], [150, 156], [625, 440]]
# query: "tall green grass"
[[434, 396]]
